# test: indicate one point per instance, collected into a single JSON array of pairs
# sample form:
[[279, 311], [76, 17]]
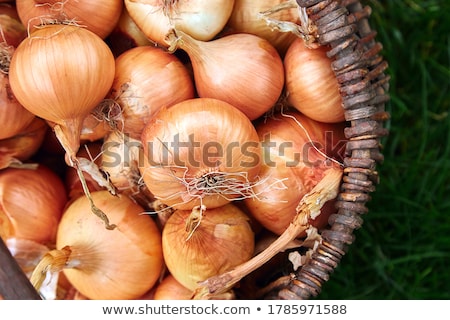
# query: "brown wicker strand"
[[359, 69]]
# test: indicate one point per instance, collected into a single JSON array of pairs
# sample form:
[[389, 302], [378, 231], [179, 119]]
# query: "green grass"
[[402, 250]]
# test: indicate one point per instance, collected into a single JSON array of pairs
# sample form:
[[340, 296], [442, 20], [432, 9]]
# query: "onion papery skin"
[[31, 204], [223, 240], [61, 73], [202, 20], [244, 18], [242, 69], [14, 118], [170, 289], [126, 35], [206, 138], [292, 167], [94, 128], [311, 85], [13, 30], [120, 156], [24, 145], [121, 264], [147, 79], [98, 16]]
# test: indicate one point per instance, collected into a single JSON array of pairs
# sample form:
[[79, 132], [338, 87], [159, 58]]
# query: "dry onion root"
[[60, 73]]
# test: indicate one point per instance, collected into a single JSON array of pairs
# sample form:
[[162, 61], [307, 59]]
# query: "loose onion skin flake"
[[223, 240], [191, 158]]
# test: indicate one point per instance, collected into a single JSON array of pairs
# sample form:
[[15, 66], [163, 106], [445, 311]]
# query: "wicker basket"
[[360, 71]]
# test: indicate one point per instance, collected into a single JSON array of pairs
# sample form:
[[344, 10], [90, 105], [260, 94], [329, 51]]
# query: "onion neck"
[[68, 134], [181, 40]]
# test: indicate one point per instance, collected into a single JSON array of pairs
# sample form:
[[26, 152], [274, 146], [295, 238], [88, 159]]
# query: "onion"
[[170, 289], [15, 150], [119, 159], [100, 16], [201, 19], [31, 204], [60, 80], [247, 16], [61, 73], [126, 35], [222, 241], [123, 263], [311, 85], [242, 69], [297, 151], [200, 151], [13, 117], [12, 29], [147, 79]]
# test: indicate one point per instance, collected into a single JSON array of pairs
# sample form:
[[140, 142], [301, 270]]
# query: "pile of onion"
[[176, 105]]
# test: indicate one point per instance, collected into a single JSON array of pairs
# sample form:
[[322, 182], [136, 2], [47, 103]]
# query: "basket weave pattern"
[[359, 69]]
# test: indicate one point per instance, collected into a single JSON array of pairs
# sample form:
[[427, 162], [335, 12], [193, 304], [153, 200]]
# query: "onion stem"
[[52, 262], [309, 206], [71, 147], [305, 30]]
